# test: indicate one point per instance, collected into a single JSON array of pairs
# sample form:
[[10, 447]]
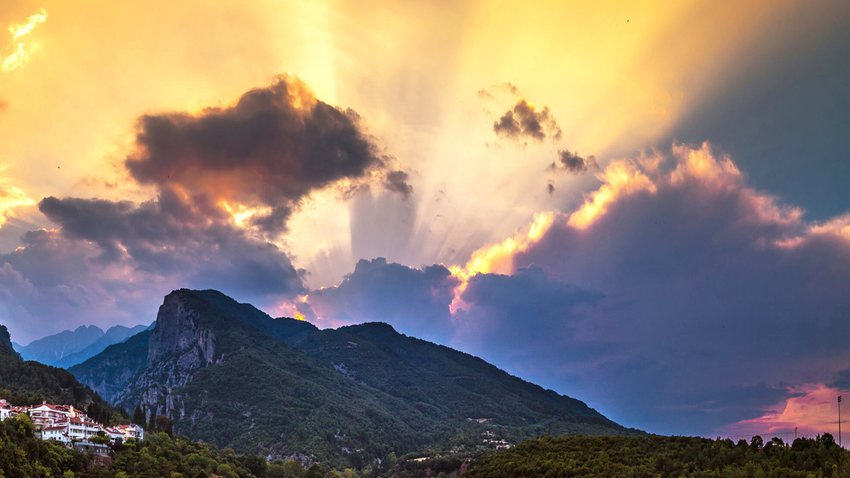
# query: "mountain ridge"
[[70, 347], [228, 373]]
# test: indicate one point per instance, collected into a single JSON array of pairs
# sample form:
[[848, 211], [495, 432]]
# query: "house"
[[7, 410], [132, 431], [114, 434], [58, 433], [46, 415], [68, 425], [81, 428]]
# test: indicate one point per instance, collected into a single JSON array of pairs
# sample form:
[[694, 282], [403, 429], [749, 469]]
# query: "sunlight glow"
[[19, 56], [498, 258], [813, 410], [11, 197]]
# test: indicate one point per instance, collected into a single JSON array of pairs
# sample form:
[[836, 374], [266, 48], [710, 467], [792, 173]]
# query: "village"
[[72, 427]]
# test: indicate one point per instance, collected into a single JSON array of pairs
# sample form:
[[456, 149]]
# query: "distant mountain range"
[[28, 383], [69, 348], [229, 374]]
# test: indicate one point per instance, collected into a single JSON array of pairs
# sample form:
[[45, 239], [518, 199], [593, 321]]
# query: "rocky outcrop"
[[179, 345], [6, 343]]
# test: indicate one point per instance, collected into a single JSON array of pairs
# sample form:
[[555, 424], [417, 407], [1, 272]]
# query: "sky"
[[639, 204]]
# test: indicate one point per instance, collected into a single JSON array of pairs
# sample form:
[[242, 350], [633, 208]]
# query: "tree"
[[100, 438], [163, 424], [139, 416], [315, 471], [93, 411], [256, 464], [756, 442]]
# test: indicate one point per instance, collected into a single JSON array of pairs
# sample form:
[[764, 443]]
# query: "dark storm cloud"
[[708, 283], [524, 121], [415, 301], [516, 312], [396, 181], [688, 301], [272, 148], [171, 236], [841, 381], [572, 163], [112, 260]]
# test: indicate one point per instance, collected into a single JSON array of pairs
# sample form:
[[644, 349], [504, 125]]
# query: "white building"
[[67, 425], [46, 415], [132, 431], [7, 410], [58, 433]]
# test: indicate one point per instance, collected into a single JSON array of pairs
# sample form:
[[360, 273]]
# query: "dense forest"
[[24, 455], [661, 456]]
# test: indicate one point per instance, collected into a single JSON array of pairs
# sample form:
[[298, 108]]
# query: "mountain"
[[109, 371], [6, 343], [113, 335], [27, 383], [48, 350], [229, 374], [69, 348]]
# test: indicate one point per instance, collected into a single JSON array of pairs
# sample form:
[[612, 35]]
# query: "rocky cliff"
[[228, 374], [178, 346]]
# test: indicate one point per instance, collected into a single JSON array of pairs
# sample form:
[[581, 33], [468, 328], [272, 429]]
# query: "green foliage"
[[344, 398], [163, 425], [30, 383], [660, 456], [139, 417], [23, 455]]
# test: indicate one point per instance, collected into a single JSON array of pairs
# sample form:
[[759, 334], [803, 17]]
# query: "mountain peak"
[[89, 328], [6, 341]]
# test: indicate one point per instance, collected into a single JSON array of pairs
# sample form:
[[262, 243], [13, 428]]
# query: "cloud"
[[11, 197], [514, 313], [3, 105], [675, 298], [572, 163], [171, 237], [708, 284], [415, 301], [265, 153], [524, 121], [498, 89], [396, 181], [19, 56], [227, 180]]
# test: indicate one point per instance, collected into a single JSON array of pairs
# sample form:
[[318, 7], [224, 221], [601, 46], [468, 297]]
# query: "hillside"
[[660, 456], [109, 371], [27, 383], [229, 374]]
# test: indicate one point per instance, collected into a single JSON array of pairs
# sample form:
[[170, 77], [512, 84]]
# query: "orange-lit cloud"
[[258, 158], [19, 55], [813, 409], [498, 258], [619, 178], [11, 198]]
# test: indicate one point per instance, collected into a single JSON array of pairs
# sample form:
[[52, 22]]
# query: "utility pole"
[[839, 420]]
